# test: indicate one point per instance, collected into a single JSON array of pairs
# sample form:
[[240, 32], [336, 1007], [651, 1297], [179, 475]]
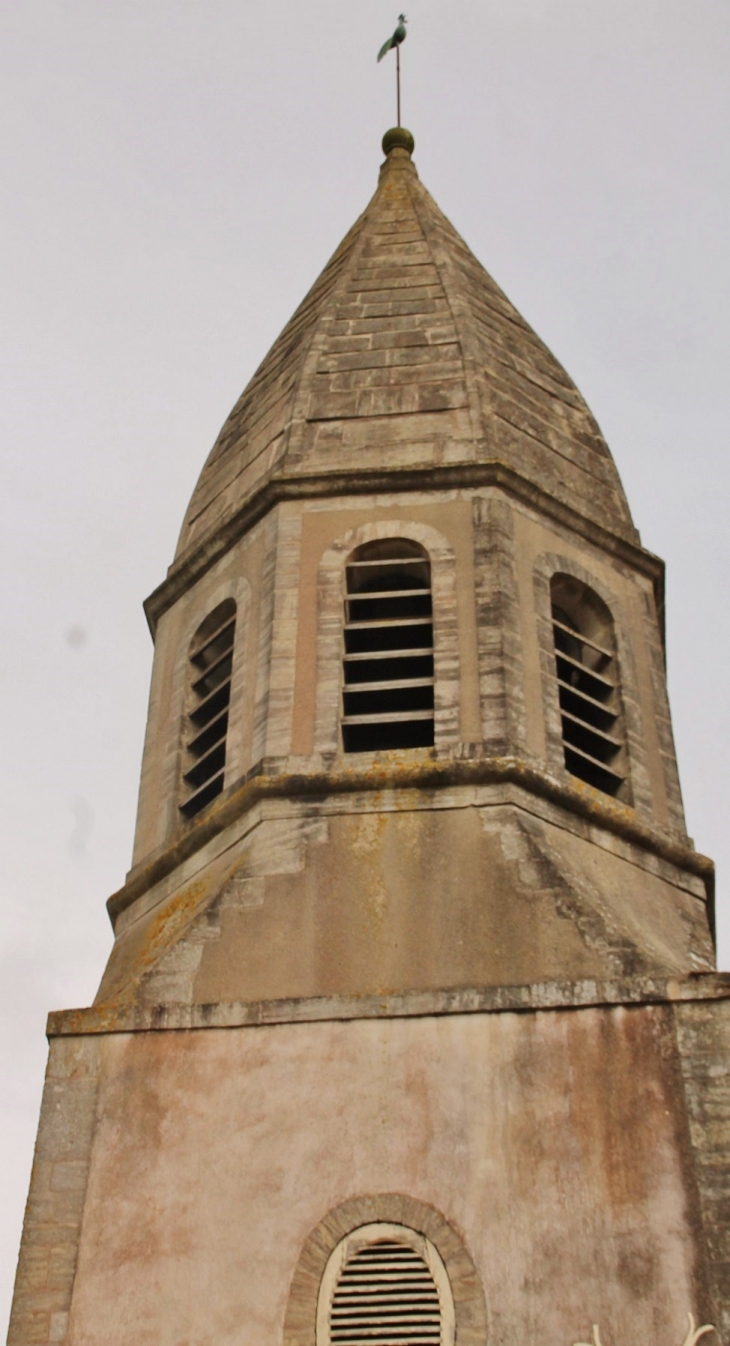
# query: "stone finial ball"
[[398, 138]]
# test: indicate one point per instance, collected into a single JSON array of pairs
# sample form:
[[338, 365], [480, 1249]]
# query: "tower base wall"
[[181, 1171]]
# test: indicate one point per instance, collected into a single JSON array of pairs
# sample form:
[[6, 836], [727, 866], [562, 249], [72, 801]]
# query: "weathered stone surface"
[[138, 1018], [375, 903], [403, 277], [703, 1034], [48, 1252], [551, 1143]]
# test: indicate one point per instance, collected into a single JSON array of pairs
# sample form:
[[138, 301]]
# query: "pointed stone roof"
[[406, 358]]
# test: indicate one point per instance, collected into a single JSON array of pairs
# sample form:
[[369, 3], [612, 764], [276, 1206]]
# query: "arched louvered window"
[[588, 691], [206, 721], [388, 693], [385, 1285]]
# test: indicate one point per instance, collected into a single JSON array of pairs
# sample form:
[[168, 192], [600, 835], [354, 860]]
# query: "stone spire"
[[406, 358], [502, 805]]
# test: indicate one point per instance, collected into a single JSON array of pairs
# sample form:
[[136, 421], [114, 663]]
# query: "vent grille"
[[589, 707], [211, 663], [386, 1296], [388, 694]]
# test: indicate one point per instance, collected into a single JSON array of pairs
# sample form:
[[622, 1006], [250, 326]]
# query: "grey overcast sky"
[[176, 175]]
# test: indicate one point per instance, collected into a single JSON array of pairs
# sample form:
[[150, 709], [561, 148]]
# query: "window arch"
[[210, 664], [384, 1285], [593, 732], [388, 668]]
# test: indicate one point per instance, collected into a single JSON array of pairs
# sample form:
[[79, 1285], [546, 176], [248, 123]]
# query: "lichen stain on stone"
[[368, 846], [599, 805], [164, 928], [105, 1018], [168, 923]]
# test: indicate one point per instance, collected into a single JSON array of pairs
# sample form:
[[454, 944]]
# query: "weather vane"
[[395, 41]]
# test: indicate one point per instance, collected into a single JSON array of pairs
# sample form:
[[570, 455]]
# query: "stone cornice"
[[271, 781], [540, 996], [464, 476]]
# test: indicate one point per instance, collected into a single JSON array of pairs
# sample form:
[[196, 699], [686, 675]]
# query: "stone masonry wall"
[[49, 1248], [703, 1035]]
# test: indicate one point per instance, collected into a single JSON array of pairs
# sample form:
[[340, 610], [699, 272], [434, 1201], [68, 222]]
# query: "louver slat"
[[584, 640], [386, 1296], [223, 635], [394, 717], [575, 674]]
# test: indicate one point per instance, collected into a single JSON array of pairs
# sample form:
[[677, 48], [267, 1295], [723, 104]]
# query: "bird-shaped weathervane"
[[395, 41]]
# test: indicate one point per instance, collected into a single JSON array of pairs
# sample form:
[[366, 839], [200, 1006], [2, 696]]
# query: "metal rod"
[[397, 70]]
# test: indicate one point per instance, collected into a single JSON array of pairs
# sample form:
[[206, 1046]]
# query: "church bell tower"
[[410, 1034]]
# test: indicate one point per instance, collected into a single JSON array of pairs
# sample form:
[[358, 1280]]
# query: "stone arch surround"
[[300, 1322], [169, 726], [330, 607]]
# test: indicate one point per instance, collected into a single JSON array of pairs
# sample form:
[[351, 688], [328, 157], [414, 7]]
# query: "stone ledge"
[[270, 779], [465, 476], [120, 1018]]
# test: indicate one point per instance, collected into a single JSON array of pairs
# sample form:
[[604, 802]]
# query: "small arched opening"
[[388, 668], [384, 1285], [210, 664], [593, 733]]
